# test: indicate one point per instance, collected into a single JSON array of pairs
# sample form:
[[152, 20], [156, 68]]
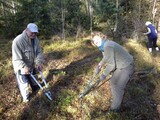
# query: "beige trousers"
[[118, 82]]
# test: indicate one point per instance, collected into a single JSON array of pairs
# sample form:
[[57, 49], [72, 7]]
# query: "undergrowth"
[[69, 65]]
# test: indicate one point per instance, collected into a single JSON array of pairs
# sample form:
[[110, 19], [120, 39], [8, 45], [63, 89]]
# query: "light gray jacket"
[[24, 54], [115, 56]]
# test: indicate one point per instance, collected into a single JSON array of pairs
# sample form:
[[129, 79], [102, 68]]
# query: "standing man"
[[26, 56], [118, 62], [152, 36]]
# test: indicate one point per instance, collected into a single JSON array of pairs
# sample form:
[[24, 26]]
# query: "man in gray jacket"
[[118, 62], [26, 56]]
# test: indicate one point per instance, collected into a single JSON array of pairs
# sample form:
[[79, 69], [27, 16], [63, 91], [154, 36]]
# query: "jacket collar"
[[101, 48]]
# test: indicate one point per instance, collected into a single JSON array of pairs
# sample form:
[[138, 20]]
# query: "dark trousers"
[[152, 43]]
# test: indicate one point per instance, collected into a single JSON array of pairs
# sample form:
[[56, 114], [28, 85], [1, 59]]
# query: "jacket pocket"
[[27, 54]]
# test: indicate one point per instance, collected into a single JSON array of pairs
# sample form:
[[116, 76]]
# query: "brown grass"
[[69, 65]]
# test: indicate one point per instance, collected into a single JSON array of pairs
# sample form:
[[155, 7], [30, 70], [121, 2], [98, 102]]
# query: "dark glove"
[[97, 70], [102, 77]]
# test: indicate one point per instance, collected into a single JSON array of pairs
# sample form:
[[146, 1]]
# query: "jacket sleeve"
[[17, 57], [39, 56], [108, 59]]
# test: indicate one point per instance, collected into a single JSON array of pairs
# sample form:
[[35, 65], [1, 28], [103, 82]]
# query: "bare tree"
[[154, 10], [91, 15], [159, 27], [116, 22], [63, 19]]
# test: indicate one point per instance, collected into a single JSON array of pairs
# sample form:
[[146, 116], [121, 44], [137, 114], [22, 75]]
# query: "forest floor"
[[68, 67]]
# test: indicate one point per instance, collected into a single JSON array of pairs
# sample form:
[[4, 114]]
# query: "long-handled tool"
[[89, 88], [46, 90], [92, 79]]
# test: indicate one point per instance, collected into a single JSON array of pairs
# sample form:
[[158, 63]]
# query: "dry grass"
[[69, 65]]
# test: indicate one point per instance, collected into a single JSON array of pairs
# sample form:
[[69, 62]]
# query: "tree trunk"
[[159, 27], [115, 27], [154, 10], [91, 15], [78, 31], [63, 21]]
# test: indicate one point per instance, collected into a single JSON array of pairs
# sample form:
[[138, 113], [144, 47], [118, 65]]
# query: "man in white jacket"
[[118, 62], [26, 56]]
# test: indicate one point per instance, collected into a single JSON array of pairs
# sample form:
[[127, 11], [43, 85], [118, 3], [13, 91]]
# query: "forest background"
[[117, 18]]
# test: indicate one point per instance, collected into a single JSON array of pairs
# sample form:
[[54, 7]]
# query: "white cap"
[[148, 23], [32, 27]]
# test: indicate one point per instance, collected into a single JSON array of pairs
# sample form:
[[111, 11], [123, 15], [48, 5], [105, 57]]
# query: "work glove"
[[97, 70], [25, 70], [102, 77]]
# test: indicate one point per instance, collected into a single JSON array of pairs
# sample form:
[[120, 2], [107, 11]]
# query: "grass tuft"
[[69, 65]]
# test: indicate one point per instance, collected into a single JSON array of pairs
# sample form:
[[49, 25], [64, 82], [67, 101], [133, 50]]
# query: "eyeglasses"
[[32, 33]]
